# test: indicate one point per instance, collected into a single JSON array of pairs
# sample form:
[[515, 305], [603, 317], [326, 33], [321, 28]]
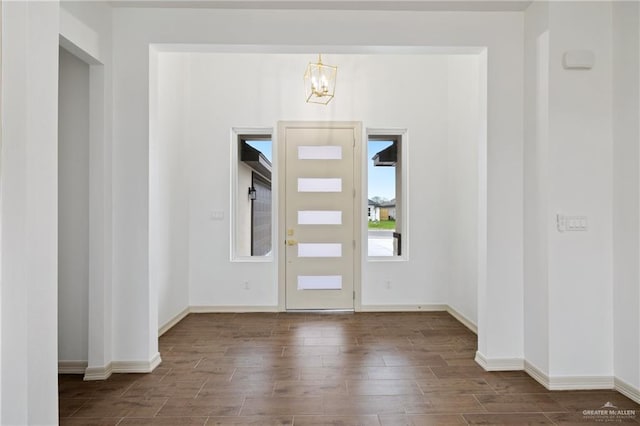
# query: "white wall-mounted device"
[[578, 60]]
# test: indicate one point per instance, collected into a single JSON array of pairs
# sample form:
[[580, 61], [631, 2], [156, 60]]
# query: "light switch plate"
[[574, 223]]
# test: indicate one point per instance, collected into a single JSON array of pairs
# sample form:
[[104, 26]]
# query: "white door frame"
[[357, 203]]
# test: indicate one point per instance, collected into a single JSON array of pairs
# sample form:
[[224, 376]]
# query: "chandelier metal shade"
[[320, 82]]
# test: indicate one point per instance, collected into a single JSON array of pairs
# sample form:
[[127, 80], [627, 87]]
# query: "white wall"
[[168, 188], [463, 144], [29, 213], [443, 170], [218, 282], [568, 170], [421, 280], [536, 186], [626, 192], [85, 30], [73, 208], [500, 293], [580, 153], [1, 210]]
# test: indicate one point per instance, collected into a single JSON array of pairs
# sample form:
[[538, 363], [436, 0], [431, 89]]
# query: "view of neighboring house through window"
[[254, 200], [384, 191]]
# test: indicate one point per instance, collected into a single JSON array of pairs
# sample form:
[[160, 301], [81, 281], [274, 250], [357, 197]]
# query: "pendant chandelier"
[[320, 82]]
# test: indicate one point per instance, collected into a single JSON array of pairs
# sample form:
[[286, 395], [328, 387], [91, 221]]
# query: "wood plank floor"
[[323, 369]]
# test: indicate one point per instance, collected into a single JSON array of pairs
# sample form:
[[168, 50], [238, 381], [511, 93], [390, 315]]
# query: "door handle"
[[291, 242]]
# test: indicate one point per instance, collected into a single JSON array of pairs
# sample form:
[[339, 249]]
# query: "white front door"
[[320, 221]]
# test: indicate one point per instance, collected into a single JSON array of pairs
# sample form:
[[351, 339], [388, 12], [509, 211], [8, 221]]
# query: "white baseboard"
[[224, 309], [627, 390], [435, 307], [206, 309], [103, 373], [432, 307], [173, 321], [462, 318], [136, 366], [580, 382], [536, 374], [231, 309], [568, 382], [499, 364], [72, 367], [98, 373]]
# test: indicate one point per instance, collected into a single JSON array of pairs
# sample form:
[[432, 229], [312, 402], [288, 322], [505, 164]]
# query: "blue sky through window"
[[382, 180], [264, 147]]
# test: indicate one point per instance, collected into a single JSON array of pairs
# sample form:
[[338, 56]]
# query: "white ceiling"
[[385, 5]]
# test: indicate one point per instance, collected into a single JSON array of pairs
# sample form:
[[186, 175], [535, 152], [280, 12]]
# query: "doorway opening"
[[73, 213]]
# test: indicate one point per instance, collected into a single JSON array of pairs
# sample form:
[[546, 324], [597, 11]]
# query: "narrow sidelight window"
[[253, 203], [384, 206]]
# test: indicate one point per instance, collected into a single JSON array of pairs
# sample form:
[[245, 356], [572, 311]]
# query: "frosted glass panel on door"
[[320, 217], [319, 250], [319, 185], [325, 152], [319, 282]]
